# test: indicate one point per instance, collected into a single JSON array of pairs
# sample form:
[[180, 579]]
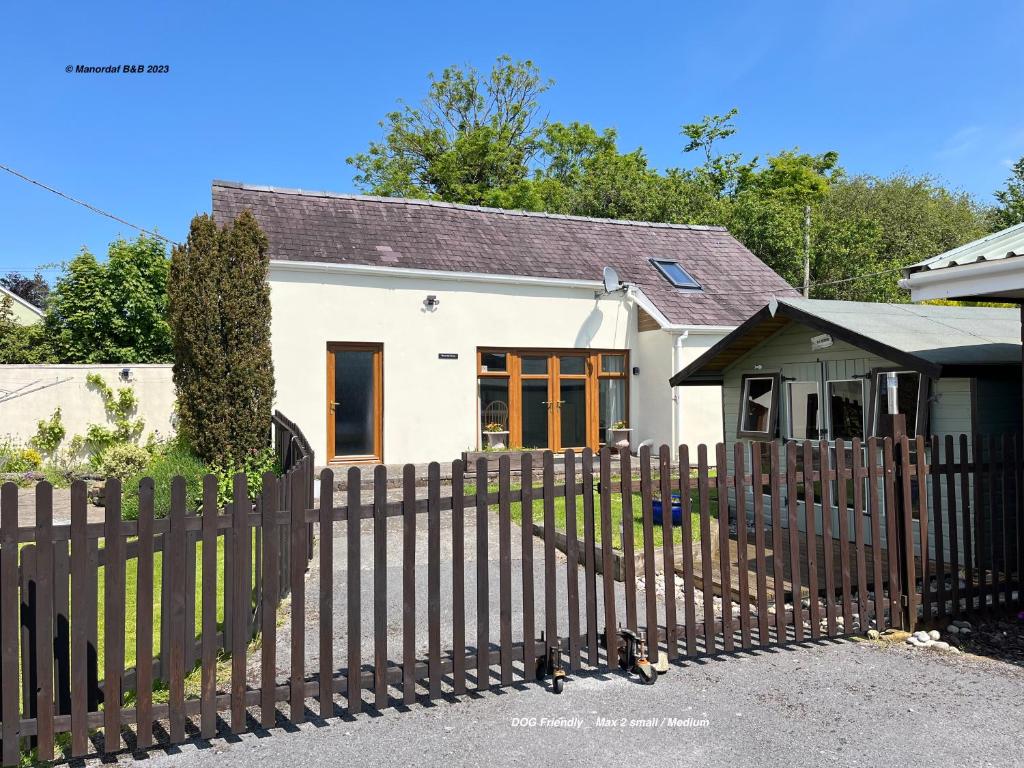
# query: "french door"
[[355, 412], [552, 399]]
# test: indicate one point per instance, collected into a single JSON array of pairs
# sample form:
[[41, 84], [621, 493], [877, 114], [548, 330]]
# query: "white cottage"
[[403, 328]]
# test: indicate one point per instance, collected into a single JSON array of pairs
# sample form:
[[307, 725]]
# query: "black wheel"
[[558, 684], [651, 677]]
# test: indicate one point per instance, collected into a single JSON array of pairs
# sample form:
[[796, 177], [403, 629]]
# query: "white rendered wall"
[[430, 405], [46, 387]]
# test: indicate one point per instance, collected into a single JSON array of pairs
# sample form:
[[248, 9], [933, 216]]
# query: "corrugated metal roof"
[[999, 245], [940, 334]]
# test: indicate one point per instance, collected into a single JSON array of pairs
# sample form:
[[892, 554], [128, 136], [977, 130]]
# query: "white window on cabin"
[[908, 395], [847, 406], [804, 407], [758, 406]]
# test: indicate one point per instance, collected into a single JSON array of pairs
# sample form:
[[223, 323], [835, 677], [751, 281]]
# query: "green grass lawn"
[[616, 515]]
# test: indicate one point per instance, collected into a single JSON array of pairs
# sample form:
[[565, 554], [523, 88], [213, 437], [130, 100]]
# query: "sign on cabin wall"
[[823, 341]]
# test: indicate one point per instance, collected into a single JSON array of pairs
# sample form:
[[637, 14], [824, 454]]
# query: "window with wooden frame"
[[847, 408], [759, 406], [613, 393], [553, 398]]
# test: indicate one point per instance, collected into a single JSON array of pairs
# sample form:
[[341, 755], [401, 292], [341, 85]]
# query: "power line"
[[84, 204], [858, 277]]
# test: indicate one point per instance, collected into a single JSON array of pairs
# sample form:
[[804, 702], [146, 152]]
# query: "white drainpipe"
[[677, 407]]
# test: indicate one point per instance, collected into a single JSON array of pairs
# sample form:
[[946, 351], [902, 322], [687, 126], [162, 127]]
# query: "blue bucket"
[[677, 510]]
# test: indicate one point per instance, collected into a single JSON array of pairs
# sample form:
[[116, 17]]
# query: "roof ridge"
[[460, 206]]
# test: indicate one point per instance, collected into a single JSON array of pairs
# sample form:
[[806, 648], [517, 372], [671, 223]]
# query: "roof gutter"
[[287, 265], [979, 279]]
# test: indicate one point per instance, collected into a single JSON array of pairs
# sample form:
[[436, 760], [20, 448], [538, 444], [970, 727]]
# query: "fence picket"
[[936, 518], [794, 541], [297, 577], [707, 574], [208, 625], [409, 583], [526, 507], [483, 621], [668, 553], [724, 563], [689, 607], [742, 559], [10, 623], [811, 539], [1007, 538], [954, 538], [607, 574], [458, 577], [353, 579], [907, 533], [778, 548], [761, 585], [80, 601], [271, 495], [628, 543], [380, 579], [113, 616], [967, 503], [174, 566], [44, 621], [572, 559], [858, 473], [923, 527], [434, 577], [876, 510], [590, 579], [241, 597], [646, 506], [892, 538], [326, 520], [504, 578], [842, 506], [550, 585], [827, 541]]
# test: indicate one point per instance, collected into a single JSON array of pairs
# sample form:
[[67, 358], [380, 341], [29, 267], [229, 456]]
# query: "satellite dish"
[[611, 280]]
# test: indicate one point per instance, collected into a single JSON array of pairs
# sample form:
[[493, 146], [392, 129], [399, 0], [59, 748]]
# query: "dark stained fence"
[[772, 543]]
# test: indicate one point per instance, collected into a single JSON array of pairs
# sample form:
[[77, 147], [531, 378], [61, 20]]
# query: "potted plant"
[[495, 436], [619, 435]]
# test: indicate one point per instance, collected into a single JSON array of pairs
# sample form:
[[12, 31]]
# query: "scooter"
[[633, 656], [551, 664]]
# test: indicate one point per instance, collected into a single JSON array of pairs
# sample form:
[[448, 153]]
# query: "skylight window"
[[675, 274]]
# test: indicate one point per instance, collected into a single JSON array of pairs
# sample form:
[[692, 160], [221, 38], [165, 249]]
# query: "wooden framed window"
[[847, 408], [759, 406], [553, 398], [803, 406]]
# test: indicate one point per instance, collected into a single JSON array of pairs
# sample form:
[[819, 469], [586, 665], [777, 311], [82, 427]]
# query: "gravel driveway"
[[844, 703]]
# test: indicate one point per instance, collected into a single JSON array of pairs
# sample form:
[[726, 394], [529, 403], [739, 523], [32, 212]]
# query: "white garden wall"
[[29, 393]]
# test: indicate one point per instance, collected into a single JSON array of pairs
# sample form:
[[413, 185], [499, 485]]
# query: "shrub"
[[255, 464], [122, 460], [168, 460], [16, 459]]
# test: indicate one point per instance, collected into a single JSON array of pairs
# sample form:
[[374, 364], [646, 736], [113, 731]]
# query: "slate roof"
[[418, 234], [925, 337]]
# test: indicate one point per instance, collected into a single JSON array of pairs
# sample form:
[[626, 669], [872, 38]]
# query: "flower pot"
[[496, 441], [619, 438]]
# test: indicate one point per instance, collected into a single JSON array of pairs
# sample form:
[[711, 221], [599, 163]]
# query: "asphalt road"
[[845, 703]]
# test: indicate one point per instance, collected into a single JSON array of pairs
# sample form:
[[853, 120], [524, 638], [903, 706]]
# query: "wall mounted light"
[[431, 302], [636, 370], [125, 374]]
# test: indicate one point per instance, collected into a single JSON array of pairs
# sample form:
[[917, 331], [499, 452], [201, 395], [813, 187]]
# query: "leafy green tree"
[[21, 343], [1010, 210], [471, 136], [725, 173], [220, 316], [113, 311]]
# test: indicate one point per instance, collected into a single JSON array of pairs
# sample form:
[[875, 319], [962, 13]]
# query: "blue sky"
[[282, 93]]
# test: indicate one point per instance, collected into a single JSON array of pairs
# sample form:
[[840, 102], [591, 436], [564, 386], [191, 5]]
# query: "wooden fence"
[[810, 554]]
